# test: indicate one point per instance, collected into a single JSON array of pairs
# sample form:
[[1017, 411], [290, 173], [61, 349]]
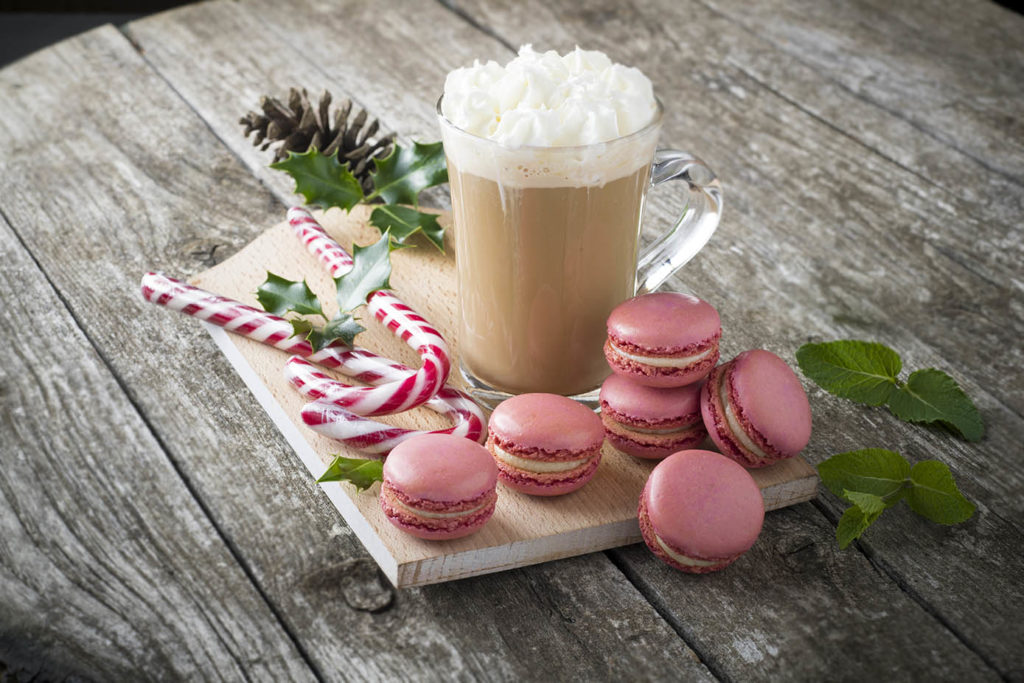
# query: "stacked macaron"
[[665, 339], [660, 347], [666, 393], [651, 423], [699, 510]]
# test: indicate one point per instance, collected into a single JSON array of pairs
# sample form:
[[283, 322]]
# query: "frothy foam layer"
[[548, 100], [551, 120]]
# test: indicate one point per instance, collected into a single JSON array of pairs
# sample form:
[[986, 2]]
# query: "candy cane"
[[325, 417], [398, 394], [402, 320], [359, 364]]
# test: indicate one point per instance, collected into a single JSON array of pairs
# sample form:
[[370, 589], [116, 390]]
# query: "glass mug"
[[547, 244]]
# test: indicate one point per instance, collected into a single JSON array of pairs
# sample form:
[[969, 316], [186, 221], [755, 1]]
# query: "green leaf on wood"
[[931, 395], [852, 524], [874, 479], [868, 502], [403, 174], [360, 472], [877, 471], [934, 494], [404, 222], [322, 180], [371, 271], [279, 295], [858, 370]]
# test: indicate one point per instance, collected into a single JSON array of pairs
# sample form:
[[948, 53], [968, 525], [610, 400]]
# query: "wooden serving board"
[[525, 529]]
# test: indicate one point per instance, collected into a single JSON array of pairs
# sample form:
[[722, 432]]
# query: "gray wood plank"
[[144, 184], [822, 88], [356, 68], [108, 567], [952, 70], [825, 239]]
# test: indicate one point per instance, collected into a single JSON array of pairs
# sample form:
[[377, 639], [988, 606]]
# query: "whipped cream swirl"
[[543, 99]]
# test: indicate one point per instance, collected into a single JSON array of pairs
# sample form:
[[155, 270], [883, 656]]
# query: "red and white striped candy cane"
[[232, 315], [318, 242], [325, 417], [402, 320], [396, 395]]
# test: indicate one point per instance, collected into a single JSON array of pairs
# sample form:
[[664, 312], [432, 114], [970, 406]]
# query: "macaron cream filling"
[[537, 466], [430, 514], [684, 559], [734, 426], [665, 431], [660, 361]]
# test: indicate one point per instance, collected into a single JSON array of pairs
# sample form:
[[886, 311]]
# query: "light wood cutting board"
[[524, 529]]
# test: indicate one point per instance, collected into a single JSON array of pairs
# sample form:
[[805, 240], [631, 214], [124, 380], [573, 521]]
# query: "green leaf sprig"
[[868, 372], [399, 178], [875, 479], [371, 271], [360, 472]]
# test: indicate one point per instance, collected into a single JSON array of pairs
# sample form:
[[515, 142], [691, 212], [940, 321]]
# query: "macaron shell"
[[652, 544], [441, 468], [665, 322], [547, 423], [713, 414], [643, 405], [767, 395], [704, 505]]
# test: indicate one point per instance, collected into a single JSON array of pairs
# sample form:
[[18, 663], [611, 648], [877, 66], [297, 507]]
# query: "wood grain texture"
[[108, 566], [524, 529], [891, 259], [143, 184], [770, 283], [952, 70]]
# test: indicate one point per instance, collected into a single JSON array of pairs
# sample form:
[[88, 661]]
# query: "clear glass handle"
[[692, 230]]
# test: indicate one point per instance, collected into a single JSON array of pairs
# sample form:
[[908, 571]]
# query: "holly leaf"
[[876, 471], [308, 331], [360, 472], [852, 524], [342, 327], [371, 271], [322, 180], [858, 370], [934, 494], [403, 174], [404, 222], [278, 295], [931, 395]]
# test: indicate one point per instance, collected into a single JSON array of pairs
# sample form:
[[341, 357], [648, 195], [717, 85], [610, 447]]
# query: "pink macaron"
[[647, 422], [544, 444], [439, 486], [665, 339], [700, 511], [756, 410]]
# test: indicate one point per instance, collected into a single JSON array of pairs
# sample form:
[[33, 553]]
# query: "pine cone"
[[299, 126]]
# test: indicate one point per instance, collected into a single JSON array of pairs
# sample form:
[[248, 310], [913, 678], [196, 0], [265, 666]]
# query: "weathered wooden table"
[[154, 523]]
